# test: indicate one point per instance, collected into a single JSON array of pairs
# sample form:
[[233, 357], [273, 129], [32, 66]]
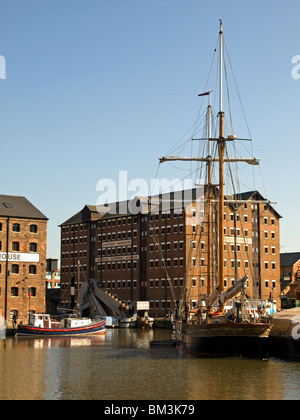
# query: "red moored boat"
[[41, 325]]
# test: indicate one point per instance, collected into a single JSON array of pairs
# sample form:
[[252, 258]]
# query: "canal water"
[[123, 366]]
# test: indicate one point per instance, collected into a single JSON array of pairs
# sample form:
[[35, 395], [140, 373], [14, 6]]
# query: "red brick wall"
[[24, 279], [131, 263]]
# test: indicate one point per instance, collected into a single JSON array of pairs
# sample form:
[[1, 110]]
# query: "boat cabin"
[[44, 321], [75, 322], [40, 320]]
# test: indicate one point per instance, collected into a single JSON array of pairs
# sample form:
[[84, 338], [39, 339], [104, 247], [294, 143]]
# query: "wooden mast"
[[78, 290], [221, 150], [221, 144], [209, 191], [209, 194]]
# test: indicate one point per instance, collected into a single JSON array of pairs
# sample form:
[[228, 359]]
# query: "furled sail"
[[233, 291], [228, 294], [212, 298]]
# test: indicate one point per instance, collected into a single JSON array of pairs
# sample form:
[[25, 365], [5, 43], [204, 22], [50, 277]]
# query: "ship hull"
[[285, 347], [94, 328], [223, 340]]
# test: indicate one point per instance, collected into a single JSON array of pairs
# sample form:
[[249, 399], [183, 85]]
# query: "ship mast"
[[209, 183], [221, 150], [209, 193], [221, 145]]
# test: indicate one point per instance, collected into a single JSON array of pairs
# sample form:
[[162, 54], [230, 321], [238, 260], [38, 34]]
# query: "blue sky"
[[96, 87]]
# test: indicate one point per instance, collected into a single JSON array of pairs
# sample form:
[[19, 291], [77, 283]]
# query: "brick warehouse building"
[[152, 255], [23, 241]]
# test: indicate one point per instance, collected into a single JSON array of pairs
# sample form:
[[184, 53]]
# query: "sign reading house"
[[19, 257]]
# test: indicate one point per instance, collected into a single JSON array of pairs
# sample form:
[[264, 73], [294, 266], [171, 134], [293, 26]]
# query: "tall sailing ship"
[[209, 329]]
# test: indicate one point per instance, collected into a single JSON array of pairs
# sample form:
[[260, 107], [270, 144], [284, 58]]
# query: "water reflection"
[[235, 379], [122, 365], [21, 371], [61, 342]]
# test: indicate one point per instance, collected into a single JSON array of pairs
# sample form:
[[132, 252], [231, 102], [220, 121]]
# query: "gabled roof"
[[255, 195], [19, 207], [86, 214], [289, 259]]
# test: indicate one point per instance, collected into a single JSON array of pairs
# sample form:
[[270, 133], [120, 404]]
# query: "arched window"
[[33, 228], [16, 227], [32, 292], [32, 269], [32, 247], [14, 314], [16, 246], [15, 269], [14, 292]]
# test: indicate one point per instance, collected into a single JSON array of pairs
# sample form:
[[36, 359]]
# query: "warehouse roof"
[[19, 207], [289, 259]]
